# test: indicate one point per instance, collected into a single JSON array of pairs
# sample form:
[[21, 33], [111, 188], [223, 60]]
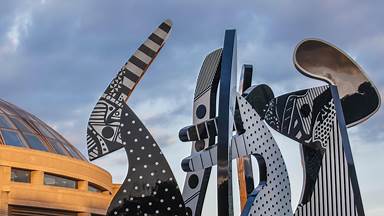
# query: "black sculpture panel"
[[204, 107], [317, 118], [150, 187]]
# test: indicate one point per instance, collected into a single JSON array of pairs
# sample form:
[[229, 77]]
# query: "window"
[[71, 151], [20, 125], [57, 146], [20, 175], [4, 123], [42, 129], [94, 188], [59, 181], [35, 143], [12, 138]]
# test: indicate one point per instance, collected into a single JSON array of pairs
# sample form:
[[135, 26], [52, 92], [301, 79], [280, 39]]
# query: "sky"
[[57, 57]]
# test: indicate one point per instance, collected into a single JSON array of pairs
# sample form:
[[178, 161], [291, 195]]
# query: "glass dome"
[[22, 129]]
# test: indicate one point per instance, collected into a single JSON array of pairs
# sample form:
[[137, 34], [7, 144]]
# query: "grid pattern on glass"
[[4, 123], [20, 125], [94, 188], [71, 151], [33, 133], [42, 129], [12, 138], [57, 146], [35, 142], [20, 175], [59, 181], [7, 110]]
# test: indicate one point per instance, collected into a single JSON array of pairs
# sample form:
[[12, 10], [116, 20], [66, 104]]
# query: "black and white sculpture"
[[317, 118], [149, 187], [204, 108]]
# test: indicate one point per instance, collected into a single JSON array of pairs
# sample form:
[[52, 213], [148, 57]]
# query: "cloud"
[[57, 57]]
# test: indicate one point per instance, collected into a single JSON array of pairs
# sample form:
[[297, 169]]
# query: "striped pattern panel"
[[308, 99], [206, 77], [208, 157], [240, 144], [333, 194], [294, 100], [203, 130], [194, 194], [131, 73], [257, 139]]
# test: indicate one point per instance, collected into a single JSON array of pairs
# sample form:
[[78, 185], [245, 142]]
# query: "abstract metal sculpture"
[[244, 164], [204, 107], [150, 187], [256, 140], [321, 60], [225, 123], [317, 118]]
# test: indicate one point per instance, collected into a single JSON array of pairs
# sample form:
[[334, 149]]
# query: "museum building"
[[41, 173]]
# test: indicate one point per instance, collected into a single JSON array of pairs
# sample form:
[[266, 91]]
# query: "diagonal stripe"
[[133, 68], [140, 64], [152, 45], [162, 34], [128, 83], [148, 51], [130, 75], [158, 40], [143, 57], [165, 27]]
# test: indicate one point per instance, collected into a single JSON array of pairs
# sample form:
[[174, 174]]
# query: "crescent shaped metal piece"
[[321, 60]]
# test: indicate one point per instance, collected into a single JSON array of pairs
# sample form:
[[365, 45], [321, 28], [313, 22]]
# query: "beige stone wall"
[[36, 194]]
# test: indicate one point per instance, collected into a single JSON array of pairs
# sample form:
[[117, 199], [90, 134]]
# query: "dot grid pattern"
[[196, 183], [272, 197], [150, 187]]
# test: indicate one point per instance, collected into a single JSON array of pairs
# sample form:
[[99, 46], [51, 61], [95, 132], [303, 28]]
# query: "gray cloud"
[[56, 57]]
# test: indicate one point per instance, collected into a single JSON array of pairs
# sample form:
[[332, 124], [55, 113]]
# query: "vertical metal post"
[[227, 97], [347, 150], [244, 164]]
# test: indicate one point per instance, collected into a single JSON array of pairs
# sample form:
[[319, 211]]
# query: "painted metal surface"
[[305, 116], [226, 109], [311, 118], [204, 107], [244, 164], [273, 190], [319, 59], [149, 187], [317, 118]]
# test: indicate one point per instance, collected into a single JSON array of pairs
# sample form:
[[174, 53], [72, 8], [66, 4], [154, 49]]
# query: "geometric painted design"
[[204, 107], [109, 107], [256, 140], [150, 187], [310, 118]]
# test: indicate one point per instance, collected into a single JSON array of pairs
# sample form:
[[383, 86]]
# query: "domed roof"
[[22, 129]]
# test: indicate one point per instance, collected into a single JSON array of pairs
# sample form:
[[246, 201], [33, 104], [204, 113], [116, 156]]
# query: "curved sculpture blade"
[[257, 96], [204, 107], [108, 108], [321, 60], [305, 117], [244, 164], [149, 187], [226, 107], [273, 191], [330, 182]]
